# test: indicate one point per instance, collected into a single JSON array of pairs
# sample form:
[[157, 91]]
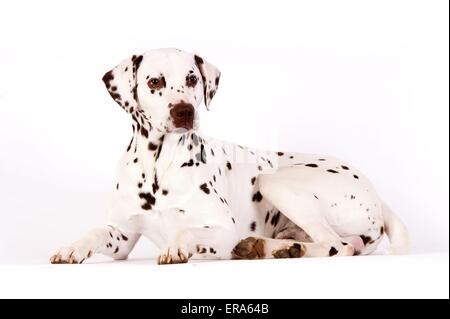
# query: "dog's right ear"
[[121, 83]]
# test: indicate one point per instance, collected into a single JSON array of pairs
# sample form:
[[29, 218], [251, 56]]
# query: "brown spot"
[[280, 153]]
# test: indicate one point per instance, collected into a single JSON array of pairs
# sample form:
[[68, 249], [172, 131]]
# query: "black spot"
[[257, 197], [316, 196], [229, 166], [214, 178], [321, 159], [131, 142], [165, 192], [194, 139], [280, 153], [139, 185], [275, 219], [333, 251], [144, 132], [253, 226], [152, 147], [124, 237], [117, 186], [344, 167], [267, 217], [366, 239], [135, 160], [253, 180], [352, 197], [234, 222], [356, 176], [381, 230], [150, 200], [155, 185], [116, 250], [259, 167], [202, 155], [190, 163], [332, 171], [204, 187], [311, 165]]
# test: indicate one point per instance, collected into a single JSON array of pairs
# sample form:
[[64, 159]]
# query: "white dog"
[[201, 198]]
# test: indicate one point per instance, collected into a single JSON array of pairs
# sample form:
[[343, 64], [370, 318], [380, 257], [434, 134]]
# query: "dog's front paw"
[[173, 255], [71, 255]]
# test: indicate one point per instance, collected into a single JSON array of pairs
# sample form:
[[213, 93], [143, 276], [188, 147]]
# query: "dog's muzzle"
[[183, 115]]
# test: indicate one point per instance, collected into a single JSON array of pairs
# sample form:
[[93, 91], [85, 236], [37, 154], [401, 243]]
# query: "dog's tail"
[[396, 231]]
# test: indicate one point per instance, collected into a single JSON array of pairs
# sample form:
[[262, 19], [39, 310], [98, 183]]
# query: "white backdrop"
[[366, 81]]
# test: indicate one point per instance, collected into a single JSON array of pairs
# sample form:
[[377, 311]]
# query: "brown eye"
[[156, 83], [191, 80]]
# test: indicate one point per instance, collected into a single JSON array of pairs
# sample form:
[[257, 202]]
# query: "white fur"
[[189, 203]]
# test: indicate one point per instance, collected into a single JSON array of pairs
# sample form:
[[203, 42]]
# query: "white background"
[[366, 81]]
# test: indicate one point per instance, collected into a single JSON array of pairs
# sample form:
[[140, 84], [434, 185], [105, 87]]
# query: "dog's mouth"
[[194, 125]]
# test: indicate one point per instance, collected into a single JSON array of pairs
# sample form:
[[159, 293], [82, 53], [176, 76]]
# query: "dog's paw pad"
[[294, 251], [249, 248]]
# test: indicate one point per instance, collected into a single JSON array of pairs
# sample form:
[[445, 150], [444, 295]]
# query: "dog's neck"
[[155, 150]]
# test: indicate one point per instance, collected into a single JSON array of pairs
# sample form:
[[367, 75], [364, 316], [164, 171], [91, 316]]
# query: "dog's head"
[[165, 87]]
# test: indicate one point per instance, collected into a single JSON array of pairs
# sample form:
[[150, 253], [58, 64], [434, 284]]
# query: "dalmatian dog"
[[200, 198]]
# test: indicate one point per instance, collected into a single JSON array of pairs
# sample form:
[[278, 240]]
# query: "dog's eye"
[[191, 80], [156, 83]]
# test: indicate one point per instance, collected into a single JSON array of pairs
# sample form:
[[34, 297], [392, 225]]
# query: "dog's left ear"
[[210, 78], [121, 82]]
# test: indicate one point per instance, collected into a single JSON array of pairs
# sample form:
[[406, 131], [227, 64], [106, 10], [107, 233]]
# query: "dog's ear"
[[121, 82], [210, 78]]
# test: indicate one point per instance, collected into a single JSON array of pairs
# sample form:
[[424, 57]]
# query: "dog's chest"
[[205, 180]]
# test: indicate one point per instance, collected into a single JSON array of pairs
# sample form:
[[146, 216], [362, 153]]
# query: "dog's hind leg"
[[268, 248], [289, 196], [108, 240]]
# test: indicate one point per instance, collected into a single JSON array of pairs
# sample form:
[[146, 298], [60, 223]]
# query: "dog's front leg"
[[106, 240]]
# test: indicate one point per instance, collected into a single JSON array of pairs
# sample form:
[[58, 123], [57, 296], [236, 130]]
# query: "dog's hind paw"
[[249, 248]]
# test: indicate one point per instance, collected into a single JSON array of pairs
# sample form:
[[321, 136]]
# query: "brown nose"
[[183, 115]]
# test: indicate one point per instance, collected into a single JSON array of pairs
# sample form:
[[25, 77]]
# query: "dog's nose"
[[183, 115]]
